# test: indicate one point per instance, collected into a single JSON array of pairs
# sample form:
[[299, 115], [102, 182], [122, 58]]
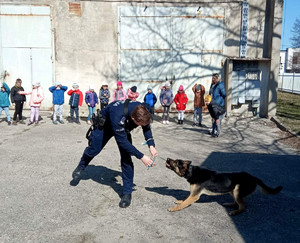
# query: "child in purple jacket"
[[91, 99]]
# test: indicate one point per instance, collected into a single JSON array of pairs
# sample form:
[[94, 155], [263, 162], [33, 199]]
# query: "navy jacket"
[[91, 98], [114, 114], [58, 94]]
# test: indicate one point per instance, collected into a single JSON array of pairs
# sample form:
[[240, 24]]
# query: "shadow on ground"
[[102, 175], [267, 218]]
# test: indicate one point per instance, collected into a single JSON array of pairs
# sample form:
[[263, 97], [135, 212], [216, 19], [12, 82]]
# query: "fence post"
[[293, 82]]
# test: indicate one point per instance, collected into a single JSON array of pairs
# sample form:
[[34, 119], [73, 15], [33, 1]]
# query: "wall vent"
[[75, 9]]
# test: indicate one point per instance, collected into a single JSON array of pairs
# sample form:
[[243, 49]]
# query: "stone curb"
[[282, 127]]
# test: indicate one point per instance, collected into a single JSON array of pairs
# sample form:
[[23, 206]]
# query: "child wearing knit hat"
[[104, 95], [76, 98], [36, 98], [91, 99], [166, 99], [150, 99], [4, 101], [180, 100], [120, 93], [132, 94], [58, 91], [199, 92]]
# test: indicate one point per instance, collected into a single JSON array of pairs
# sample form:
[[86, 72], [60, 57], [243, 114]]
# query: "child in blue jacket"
[[4, 101], [58, 91], [150, 99]]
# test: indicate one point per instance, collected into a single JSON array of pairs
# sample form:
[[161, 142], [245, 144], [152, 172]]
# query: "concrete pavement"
[[38, 204]]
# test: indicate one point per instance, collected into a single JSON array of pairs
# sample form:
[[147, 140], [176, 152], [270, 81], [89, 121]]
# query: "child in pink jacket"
[[132, 94], [37, 96], [120, 93]]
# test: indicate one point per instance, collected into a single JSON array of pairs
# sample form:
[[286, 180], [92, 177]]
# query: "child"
[[199, 92], [4, 101], [37, 96], [166, 99], [120, 93], [91, 99], [180, 100], [18, 101], [58, 92], [75, 101], [132, 94], [150, 99], [104, 96]]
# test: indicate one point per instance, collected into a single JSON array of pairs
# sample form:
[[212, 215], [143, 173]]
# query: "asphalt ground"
[[39, 202]]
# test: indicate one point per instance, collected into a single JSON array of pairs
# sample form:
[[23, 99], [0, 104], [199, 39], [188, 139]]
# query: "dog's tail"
[[265, 189]]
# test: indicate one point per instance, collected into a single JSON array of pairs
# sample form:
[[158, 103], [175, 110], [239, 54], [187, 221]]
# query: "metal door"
[[26, 46]]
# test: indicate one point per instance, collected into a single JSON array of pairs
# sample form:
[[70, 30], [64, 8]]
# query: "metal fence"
[[289, 82]]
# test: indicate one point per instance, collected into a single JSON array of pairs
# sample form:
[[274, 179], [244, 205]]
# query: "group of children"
[[180, 100], [18, 98]]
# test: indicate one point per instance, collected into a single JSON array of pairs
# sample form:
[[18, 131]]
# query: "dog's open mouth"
[[169, 164]]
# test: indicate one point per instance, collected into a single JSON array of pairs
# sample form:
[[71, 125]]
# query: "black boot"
[[78, 173], [181, 122], [178, 122], [125, 201]]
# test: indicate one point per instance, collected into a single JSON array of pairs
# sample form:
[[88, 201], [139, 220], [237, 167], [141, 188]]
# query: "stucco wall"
[[86, 46]]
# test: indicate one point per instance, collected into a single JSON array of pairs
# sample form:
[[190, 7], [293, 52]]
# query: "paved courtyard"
[[40, 204]]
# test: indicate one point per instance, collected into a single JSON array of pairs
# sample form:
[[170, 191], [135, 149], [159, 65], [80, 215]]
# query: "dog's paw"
[[229, 205], [236, 212], [172, 209], [179, 201]]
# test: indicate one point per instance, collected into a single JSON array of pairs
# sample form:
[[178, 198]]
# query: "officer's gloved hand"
[[98, 120]]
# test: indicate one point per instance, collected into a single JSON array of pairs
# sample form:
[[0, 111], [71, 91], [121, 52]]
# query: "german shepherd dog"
[[204, 181]]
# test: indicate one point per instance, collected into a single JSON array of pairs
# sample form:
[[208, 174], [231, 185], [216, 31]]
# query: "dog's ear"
[[187, 163], [185, 167]]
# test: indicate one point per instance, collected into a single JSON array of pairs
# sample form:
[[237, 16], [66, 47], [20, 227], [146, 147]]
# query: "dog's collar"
[[189, 171]]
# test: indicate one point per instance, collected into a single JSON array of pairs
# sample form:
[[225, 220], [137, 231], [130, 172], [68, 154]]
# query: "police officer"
[[118, 119]]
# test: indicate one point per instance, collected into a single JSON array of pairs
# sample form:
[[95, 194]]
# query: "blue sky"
[[291, 11]]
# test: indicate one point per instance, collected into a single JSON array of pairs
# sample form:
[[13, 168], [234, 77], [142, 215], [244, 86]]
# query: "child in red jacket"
[[74, 102], [180, 100]]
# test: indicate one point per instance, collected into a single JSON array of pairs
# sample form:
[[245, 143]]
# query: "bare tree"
[[296, 34]]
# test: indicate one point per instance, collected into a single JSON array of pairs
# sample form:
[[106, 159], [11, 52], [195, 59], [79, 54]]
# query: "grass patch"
[[288, 110]]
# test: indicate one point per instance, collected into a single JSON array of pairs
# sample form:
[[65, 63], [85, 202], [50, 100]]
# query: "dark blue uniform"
[[114, 126]]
